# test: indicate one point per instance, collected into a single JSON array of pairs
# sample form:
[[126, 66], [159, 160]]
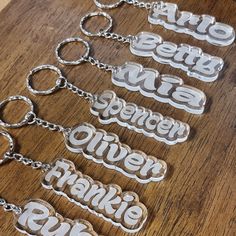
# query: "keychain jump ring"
[[108, 6], [68, 41], [93, 14], [23, 121], [57, 86], [11, 145]]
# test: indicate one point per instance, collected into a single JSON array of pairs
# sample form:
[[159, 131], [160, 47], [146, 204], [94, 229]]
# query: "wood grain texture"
[[198, 198]]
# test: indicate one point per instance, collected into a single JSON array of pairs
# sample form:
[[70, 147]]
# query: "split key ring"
[[27, 117], [11, 145]]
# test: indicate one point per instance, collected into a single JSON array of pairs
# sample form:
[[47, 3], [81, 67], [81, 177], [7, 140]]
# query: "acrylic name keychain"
[[109, 108], [39, 218], [122, 209], [201, 27], [98, 145], [188, 58], [134, 77]]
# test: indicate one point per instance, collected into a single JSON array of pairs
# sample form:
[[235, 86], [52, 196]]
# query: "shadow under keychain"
[[201, 27], [39, 218], [134, 77], [188, 58], [99, 146], [122, 209]]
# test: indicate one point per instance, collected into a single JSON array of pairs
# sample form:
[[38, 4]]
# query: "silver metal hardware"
[[146, 5], [61, 83], [27, 116], [91, 15], [190, 59], [108, 6], [68, 41], [10, 207], [12, 155], [27, 161], [117, 37], [85, 58], [201, 27], [99, 65], [136, 3], [11, 147], [106, 33], [30, 117]]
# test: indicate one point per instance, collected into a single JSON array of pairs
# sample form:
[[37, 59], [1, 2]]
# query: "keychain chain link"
[[65, 84], [139, 4], [86, 95], [27, 161], [10, 207], [48, 125], [120, 38], [33, 119], [100, 65]]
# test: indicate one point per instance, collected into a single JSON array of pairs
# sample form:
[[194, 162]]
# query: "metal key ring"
[[11, 145], [34, 71], [68, 41], [93, 14], [108, 6], [27, 116]]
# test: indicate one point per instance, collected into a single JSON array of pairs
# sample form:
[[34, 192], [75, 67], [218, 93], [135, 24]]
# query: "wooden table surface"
[[198, 197]]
